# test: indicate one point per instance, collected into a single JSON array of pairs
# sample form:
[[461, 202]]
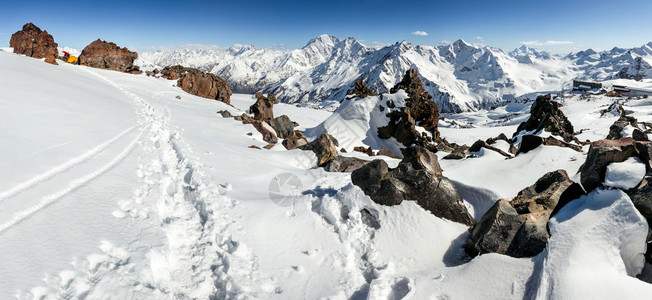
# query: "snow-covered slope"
[[460, 76], [112, 188]]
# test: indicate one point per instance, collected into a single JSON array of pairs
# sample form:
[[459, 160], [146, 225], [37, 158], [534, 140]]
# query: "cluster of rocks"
[[417, 178], [360, 90], [198, 83], [107, 55], [419, 110], [33, 42], [641, 129]]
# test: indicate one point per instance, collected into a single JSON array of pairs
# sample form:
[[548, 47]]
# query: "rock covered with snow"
[[519, 228], [417, 178], [107, 55], [34, 42], [546, 115], [601, 154]]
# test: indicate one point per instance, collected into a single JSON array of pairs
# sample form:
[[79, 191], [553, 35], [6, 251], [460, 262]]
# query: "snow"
[[625, 175], [113, 188], [460, 76]]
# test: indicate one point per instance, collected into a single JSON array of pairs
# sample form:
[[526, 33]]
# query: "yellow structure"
[[72, 59]]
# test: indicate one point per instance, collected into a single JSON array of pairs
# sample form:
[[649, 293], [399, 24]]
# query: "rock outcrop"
[[546, 115], [33, 42], [530, 142], [616, 129], [417, 178], [519, 228], [262, 109], [325, 148], [106, 55], [360, 90], [419, 111], [198, 83]]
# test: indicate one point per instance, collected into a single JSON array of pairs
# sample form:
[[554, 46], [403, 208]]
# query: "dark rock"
[[519, 228], [295, 141], [615, 107], [33, 42], [531, 142], [616, 129], [344, 164], [263, 108], [365, 150], [600, 155], [360, 90], [369, 219], [458, 153], [546, 115], [283, 126], [225, 114], [639, 135], [269, 146], [642, 198], [419, 110], [106, 55], [417, 178], [177, 97], [325, 148]]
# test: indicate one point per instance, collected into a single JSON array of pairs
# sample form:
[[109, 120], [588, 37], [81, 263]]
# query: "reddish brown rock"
[[360, 90], [263, 108], [295, 141], [198, 83], [386, 152], [33, 42], [105, 55]]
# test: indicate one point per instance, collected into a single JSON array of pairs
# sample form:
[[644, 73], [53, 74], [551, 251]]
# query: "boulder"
[[546, 115], [519, 228], [198, 83], [106, 55], [325, 148], [262, 109], [458, 153], [295, 141], [639, 135], [360, 90], [417, 178], [600, 155], [365, 150], [283, 126], [345, 164], [616, 129], [33, 42], [269, 135]]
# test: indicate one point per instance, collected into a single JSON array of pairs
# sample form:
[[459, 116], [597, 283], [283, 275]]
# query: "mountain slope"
[[460, 76]]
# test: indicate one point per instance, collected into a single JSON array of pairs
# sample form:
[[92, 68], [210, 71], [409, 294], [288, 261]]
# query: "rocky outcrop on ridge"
[[33, 42], [546, 115], [199, 83], [107, 55]]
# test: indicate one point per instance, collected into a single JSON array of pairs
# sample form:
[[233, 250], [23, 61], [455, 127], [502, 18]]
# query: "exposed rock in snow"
[[106, 55], [33, 42], [519, 228], [546, 115], [601, 154], [417, 178]]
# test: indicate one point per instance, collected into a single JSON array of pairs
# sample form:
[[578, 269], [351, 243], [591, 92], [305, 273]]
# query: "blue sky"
[[553, 25]]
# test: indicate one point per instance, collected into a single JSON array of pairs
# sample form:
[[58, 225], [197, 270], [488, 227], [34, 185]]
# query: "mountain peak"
[[324, 39]]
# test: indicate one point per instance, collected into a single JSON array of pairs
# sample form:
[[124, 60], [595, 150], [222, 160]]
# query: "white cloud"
[[379, 44], [480, 38], [420, 33], [444, 43], [546, 43]]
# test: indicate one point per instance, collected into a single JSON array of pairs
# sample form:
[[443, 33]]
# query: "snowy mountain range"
[[460, 76]]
